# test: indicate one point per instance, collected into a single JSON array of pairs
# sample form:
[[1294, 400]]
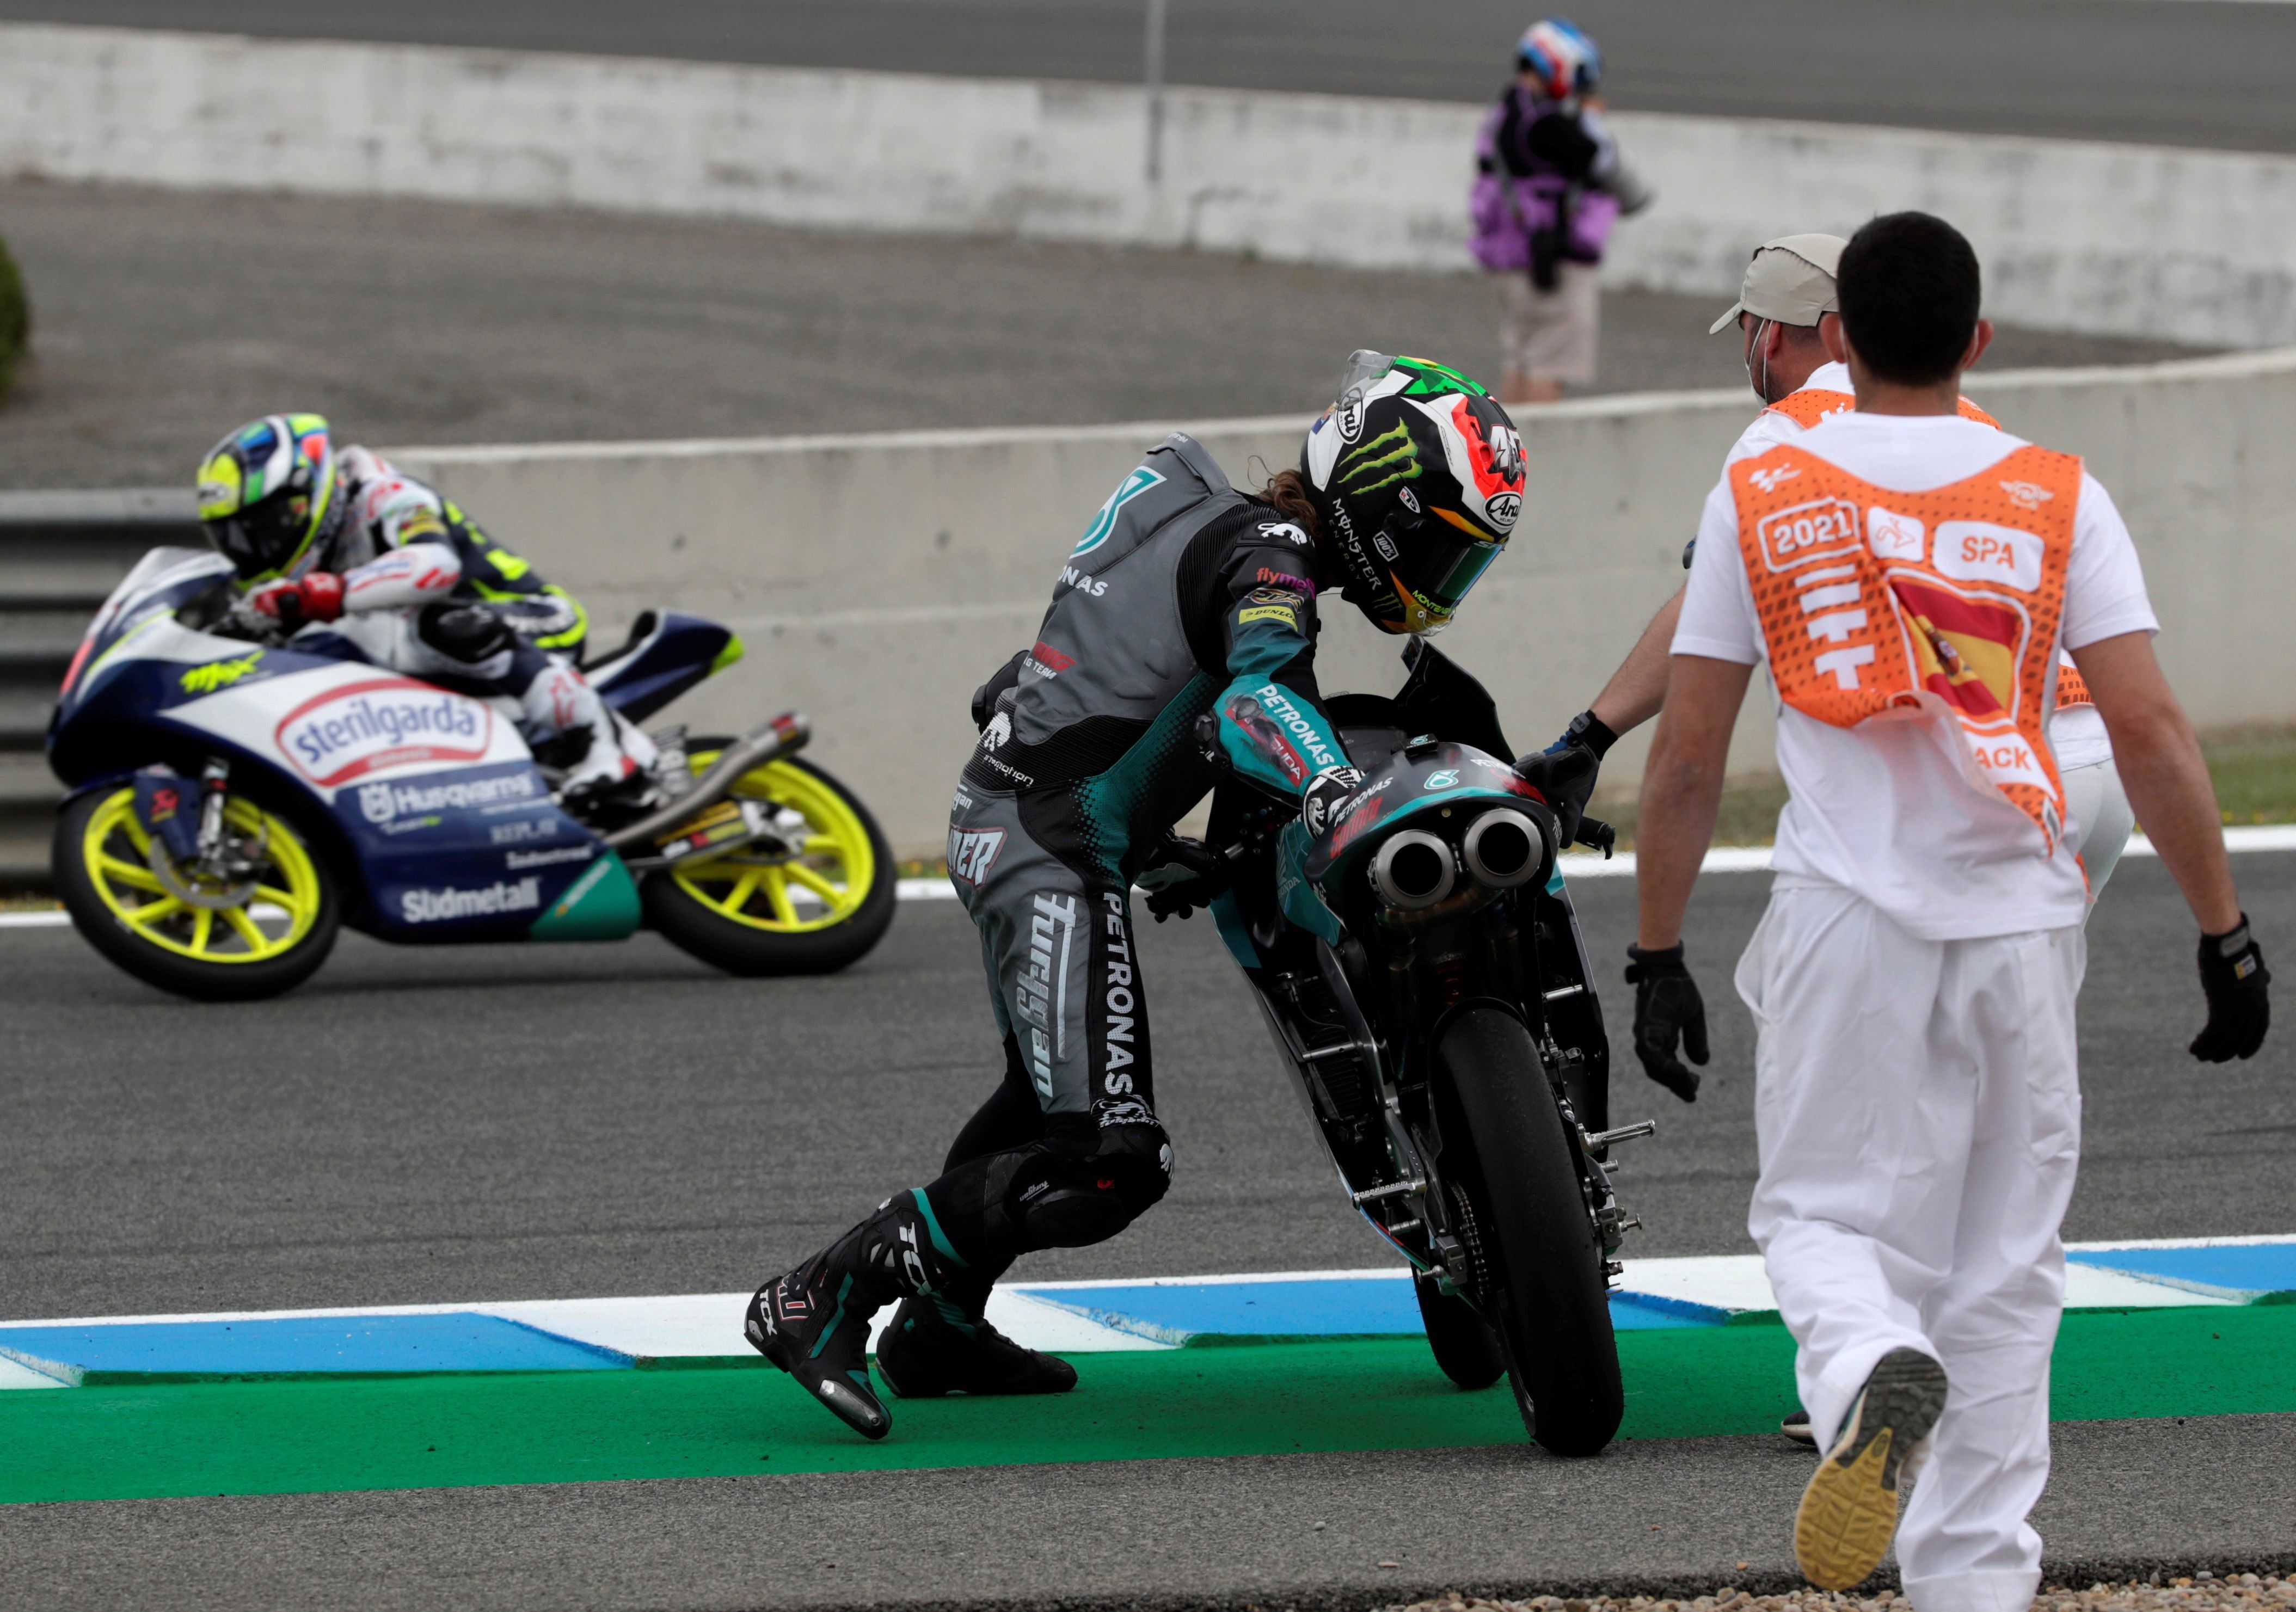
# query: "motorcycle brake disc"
[[199, 887]]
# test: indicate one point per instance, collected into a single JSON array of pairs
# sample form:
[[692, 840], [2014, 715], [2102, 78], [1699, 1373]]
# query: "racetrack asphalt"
[[163, 319], [451, 1124], [2176, 72]]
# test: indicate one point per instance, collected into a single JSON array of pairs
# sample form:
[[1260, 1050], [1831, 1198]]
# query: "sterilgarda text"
[[396, 721]]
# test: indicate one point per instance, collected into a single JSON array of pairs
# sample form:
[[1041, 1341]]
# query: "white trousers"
[[1917, 1104], [2096, 801]]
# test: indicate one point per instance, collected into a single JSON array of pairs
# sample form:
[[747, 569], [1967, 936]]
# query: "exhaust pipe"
[[1414, 871], [784, 734], [1504, 847]]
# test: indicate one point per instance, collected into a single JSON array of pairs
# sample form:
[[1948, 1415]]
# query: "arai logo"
[[362, 727], [1503, 508]]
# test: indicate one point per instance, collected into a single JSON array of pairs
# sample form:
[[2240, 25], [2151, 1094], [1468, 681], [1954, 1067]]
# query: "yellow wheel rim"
[[271, 922], [822, 882]]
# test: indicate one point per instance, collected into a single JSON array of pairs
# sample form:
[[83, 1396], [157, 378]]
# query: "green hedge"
[[15, 319]]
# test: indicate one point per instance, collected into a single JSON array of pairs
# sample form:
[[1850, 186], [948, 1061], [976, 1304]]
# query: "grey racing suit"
[[1184, 597]]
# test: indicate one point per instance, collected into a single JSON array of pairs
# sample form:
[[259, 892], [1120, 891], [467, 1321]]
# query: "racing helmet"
[[1416, 476], [268, 493], [1560, 55]]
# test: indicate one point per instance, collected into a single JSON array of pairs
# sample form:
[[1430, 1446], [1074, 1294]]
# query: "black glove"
[[1183, 875], [1565, 771], [1667, 1005], [2233, 975], [1322, 796]]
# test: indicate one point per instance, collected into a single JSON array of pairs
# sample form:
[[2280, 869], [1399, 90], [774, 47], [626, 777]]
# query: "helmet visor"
[[1435, 567], [263, 538]]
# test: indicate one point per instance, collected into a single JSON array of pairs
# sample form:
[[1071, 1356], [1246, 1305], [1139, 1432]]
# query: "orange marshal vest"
[[1812, 403], [1873, 601]]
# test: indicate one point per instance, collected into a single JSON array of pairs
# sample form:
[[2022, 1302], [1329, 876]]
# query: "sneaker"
[[1850, 1511], [807, 1330], [925, 1353], [1797, 1428]]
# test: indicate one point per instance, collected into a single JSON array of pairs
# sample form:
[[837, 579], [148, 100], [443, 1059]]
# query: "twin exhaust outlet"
[[1501, 849]]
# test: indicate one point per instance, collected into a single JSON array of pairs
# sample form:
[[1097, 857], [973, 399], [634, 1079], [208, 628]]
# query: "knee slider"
[[463, 632]]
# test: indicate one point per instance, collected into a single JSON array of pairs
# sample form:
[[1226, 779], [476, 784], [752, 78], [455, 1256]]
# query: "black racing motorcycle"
[[1423, 974]]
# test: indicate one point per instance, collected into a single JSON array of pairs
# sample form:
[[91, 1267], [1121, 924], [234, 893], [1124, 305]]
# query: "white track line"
[[1721, 859]]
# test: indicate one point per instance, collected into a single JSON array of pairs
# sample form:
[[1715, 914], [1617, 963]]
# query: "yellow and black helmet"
[[266, 492]]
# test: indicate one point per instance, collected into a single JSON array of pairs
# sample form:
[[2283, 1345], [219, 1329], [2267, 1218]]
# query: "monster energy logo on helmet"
[[1386, 459]]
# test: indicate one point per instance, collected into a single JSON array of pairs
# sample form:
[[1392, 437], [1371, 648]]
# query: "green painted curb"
[[285, 1437]]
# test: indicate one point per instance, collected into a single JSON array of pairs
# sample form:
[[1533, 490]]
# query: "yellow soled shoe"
[[1850, 1511]]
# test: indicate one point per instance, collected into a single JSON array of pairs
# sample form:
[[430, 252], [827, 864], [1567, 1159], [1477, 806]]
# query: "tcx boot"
[[814, 1321], [934, 1347]]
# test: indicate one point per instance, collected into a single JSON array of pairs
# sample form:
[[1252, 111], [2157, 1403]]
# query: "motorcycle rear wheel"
[[1553, 1303], [270, 942], [813, 912]]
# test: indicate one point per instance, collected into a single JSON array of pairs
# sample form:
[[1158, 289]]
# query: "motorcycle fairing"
[[448, 827], [668, 653]]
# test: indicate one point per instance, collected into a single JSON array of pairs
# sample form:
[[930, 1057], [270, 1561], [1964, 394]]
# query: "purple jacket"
[[1529, 154]]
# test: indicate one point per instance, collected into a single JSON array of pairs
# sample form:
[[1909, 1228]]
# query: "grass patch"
[[2255, 774]]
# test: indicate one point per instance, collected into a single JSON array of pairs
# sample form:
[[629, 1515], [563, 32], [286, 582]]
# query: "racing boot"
[[814, 1321], [618, 764], [944, 1345]]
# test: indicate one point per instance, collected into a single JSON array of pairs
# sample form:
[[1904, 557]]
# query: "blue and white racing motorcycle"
[[233, 802]]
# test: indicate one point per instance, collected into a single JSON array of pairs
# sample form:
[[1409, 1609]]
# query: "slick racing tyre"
[[1548, 1294], [810, 901], [1469, 1352], [264, 931]]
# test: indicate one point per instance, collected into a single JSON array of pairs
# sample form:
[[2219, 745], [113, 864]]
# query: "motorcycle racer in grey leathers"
[[1185, 613]]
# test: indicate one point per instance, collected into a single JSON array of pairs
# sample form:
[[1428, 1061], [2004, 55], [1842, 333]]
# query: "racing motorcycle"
[[233, 801], [1423, 974]]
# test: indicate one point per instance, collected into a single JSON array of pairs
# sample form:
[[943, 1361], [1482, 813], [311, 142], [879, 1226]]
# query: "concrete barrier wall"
[[877, 579], [2116, 240]]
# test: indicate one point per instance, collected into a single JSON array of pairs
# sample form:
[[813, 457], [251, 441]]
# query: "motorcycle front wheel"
[[812, 902], [1552, 1302], [169, 927]]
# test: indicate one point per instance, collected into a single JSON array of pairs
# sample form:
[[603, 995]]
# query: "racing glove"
[[1323, 796], [2233, 978], [1666, 1006], [1181, 876], [317, 597], [1564, 772]]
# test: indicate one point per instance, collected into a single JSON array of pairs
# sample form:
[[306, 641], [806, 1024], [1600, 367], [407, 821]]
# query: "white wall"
[[877, 579], [2123, 240]]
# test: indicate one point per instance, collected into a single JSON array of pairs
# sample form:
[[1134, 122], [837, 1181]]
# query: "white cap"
[[1790, 281]]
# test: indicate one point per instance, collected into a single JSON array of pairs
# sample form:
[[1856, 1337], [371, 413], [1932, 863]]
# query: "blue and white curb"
[[1067, 1317]]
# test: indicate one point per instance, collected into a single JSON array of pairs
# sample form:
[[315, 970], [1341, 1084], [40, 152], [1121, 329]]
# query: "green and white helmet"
[[267, 492], [1417, 474]]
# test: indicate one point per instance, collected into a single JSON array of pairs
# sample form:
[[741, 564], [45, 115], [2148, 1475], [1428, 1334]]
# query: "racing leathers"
[[406, 580], [1184, 598]]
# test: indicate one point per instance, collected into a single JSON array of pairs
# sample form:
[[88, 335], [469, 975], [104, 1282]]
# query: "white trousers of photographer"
[[1918, 1105]]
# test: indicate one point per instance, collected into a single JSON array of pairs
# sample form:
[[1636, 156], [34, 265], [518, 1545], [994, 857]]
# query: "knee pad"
[[468, 633], [1069, 1201]]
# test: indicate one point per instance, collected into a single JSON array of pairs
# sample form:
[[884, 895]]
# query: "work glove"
[[317, 597], [1324, 794], [2234, 976], [1666, 1006], [1181, 876], [1565, 771]]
